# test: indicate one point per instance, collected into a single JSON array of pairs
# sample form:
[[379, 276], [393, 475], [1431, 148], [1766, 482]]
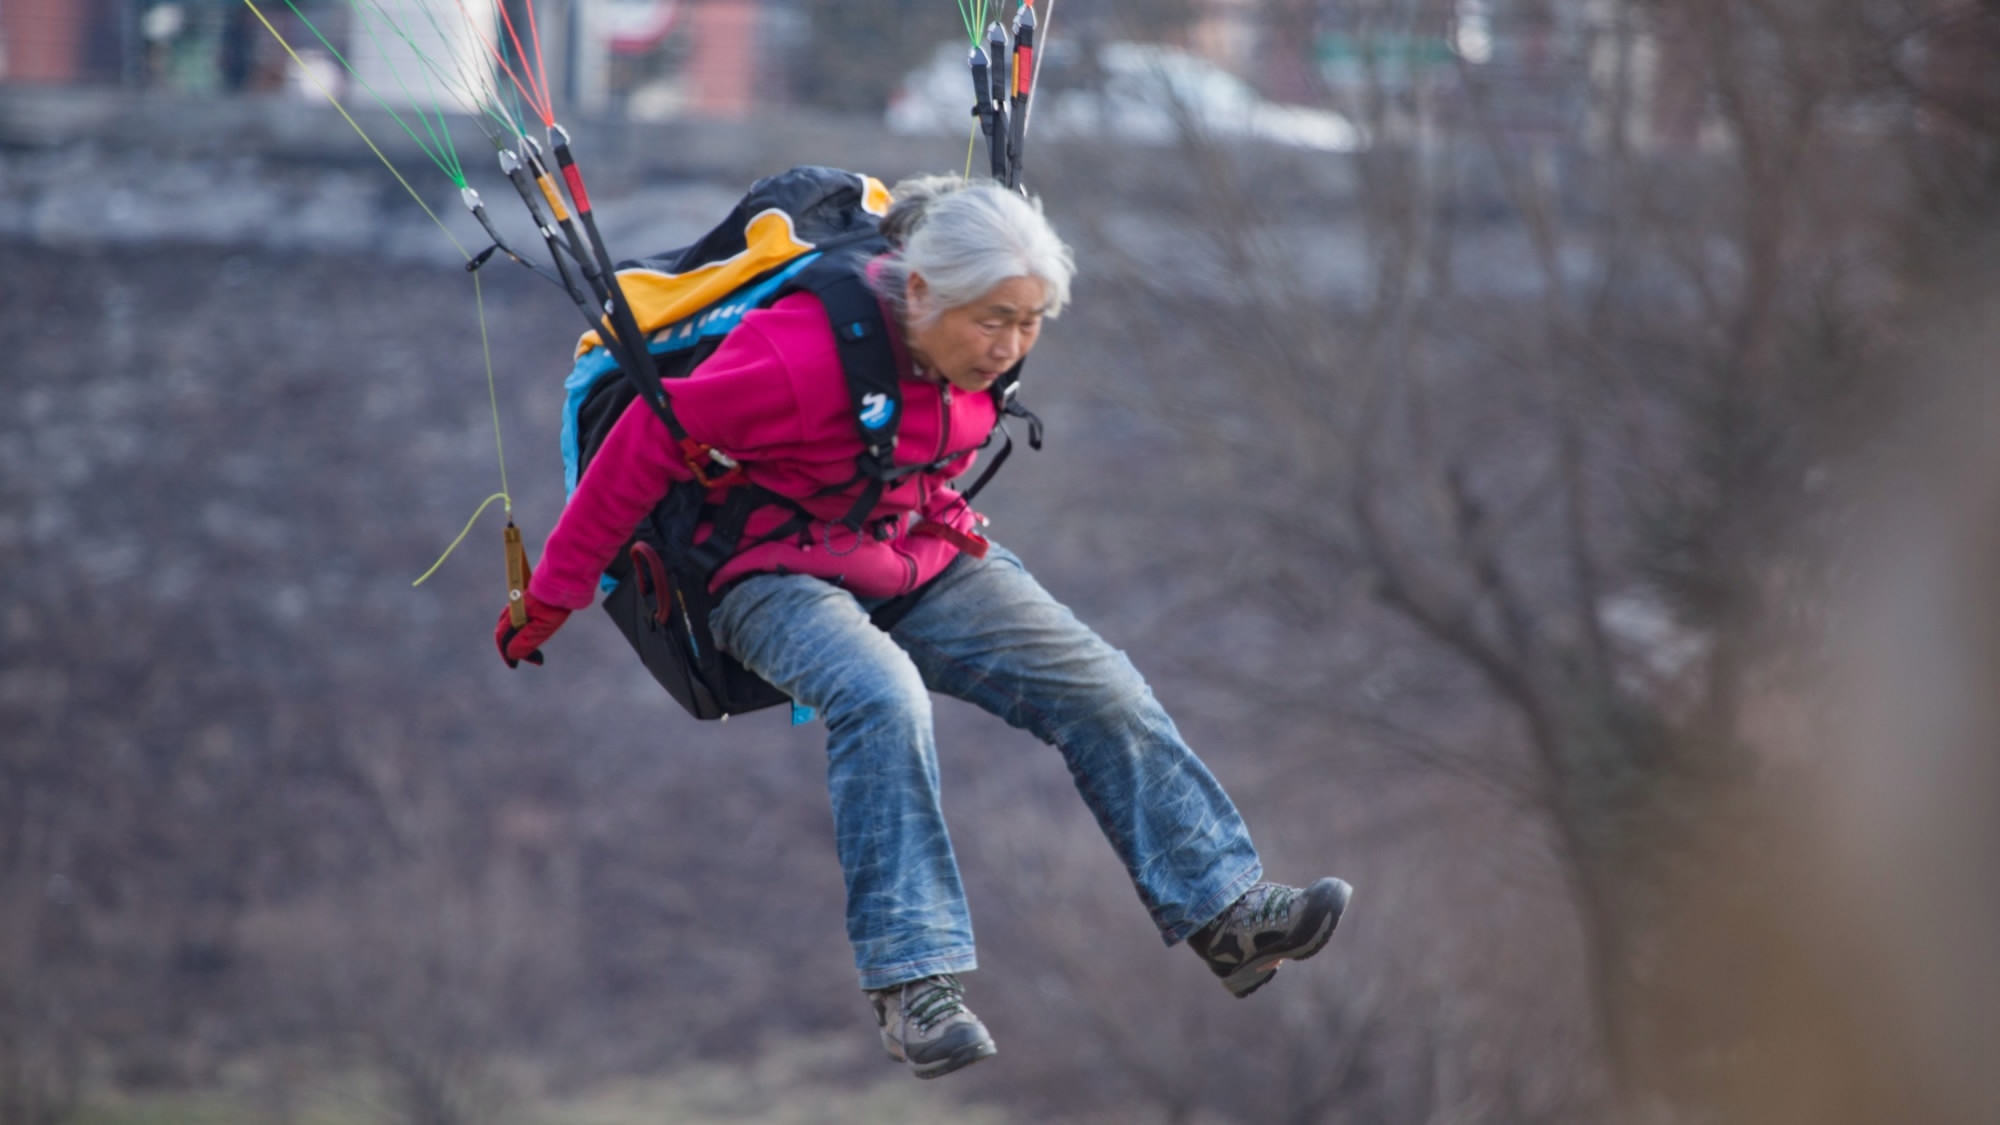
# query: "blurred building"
[[596, 52], [39, 41], [1537, 70], [62, 41]]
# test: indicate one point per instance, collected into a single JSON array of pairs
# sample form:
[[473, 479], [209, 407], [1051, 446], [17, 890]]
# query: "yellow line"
[[321, 86], [492, 392], [461, 536]]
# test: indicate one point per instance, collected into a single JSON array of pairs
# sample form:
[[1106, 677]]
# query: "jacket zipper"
[[944, 444], [944, 424]]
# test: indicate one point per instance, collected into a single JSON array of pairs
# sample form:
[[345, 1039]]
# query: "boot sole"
[[1330, 895], [963, 1057]]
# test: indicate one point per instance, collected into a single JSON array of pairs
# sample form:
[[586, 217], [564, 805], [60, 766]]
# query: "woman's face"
[[974, 344]]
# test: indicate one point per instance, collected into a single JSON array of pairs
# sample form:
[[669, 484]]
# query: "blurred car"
[[1139, 92]]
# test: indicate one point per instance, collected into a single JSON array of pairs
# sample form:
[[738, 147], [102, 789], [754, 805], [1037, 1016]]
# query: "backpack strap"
[[868, 363], [1006, 405], [874, 385], [729, 521]]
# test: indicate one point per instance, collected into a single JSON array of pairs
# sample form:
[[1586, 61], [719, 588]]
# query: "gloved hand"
[[525, 643]]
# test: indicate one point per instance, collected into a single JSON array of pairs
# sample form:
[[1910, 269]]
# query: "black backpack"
[[809, 229]]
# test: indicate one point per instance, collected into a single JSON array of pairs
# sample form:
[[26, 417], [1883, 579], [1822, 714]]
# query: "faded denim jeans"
[[985, 632]]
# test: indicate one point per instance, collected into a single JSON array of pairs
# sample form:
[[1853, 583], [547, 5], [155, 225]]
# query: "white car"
[[1139, 92]]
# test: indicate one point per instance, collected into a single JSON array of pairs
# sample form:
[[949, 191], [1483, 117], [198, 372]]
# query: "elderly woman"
[[975, 271]]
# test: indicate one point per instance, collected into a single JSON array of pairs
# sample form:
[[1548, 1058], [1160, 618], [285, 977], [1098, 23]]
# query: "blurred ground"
[[228, 459]]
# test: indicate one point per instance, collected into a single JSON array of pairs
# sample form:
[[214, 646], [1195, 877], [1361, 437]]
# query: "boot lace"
[[1274, 907], [938, 999]]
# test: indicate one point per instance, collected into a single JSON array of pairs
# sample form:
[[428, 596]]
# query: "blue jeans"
[[985, 632]]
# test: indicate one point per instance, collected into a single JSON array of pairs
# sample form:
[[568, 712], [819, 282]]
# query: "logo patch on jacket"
[[876, 410]]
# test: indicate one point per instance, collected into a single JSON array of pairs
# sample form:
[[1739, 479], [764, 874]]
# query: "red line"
[[540, 67], [500, 58], [541, 104]]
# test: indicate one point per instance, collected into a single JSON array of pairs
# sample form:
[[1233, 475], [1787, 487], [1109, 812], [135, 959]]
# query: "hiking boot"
[[926, 1024], [1269, 924]]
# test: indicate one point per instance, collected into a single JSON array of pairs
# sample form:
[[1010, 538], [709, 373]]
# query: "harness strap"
[[867, 359], [731, 519], [868, 363], [1007, 445], [871, 494]]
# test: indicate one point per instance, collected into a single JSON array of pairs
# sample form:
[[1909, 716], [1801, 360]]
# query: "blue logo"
[[876, 410]]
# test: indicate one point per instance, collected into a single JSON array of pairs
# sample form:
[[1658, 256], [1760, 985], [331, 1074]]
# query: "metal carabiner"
[[826, 540]]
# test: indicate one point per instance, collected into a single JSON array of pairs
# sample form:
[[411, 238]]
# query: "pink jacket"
[[773, 397]]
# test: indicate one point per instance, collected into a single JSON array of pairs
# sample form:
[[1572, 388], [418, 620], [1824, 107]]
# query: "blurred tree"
[[1583, 482]]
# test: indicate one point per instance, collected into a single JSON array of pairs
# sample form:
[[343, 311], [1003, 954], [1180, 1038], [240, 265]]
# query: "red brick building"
[[42, 41]]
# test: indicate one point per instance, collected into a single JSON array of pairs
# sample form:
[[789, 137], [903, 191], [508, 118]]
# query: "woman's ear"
[[916, 294]]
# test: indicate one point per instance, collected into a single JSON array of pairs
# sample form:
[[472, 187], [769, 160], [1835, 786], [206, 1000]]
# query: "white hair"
[[963, 238]]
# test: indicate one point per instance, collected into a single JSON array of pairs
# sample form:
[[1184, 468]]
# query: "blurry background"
[[1542, 451]]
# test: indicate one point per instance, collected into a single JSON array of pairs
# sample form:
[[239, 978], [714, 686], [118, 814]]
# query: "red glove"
[[525, 643]]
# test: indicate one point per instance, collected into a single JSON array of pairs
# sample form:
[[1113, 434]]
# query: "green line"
[[432, 69], [478, 293], [462, 81], [492, 392], [513, 92], [356, 125], [445, 124], [450, 163], [493, 396], [972, 13], [461, 536], [437, 106], [379, 100]]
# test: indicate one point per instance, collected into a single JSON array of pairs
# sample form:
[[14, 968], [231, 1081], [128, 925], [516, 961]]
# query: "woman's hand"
[[525, 643]]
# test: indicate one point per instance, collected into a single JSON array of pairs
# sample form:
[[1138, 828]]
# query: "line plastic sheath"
[[554, 198], [577, 251], [613, 294], [998, 75], [593, 314], [1021, 81], [486, 224], [525, 186], [575, 181]]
